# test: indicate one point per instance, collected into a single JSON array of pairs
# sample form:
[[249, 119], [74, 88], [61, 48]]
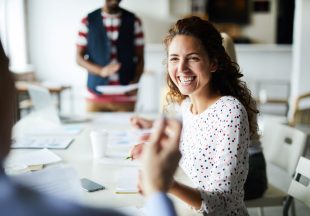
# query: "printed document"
[[61, 180], [117, 89]]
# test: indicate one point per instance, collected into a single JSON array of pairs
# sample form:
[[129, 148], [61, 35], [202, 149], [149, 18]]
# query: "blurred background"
[[40, 38]]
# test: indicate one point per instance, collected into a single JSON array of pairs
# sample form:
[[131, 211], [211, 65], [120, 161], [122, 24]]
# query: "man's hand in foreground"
[[161, 157]]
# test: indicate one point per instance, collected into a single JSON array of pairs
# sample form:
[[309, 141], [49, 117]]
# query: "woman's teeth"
[[186, 80]]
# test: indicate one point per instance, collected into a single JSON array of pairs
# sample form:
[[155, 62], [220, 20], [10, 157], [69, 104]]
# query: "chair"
[[229, 46], [22, 80], [283, 145], [300, 115], [23, 100], [300, 187], [275, 93]]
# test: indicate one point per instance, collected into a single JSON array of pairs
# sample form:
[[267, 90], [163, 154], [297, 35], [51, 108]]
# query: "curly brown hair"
[[226, 79]]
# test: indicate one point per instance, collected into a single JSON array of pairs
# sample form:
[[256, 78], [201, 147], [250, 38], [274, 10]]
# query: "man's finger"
[[156, 136], [174, 128]]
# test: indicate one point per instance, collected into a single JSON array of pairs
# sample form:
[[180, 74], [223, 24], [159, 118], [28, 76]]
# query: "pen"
[[127, 158]]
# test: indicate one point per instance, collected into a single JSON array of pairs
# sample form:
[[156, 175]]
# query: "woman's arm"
[[188, 194]]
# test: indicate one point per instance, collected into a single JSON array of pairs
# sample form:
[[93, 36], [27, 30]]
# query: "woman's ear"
[[213, 66]]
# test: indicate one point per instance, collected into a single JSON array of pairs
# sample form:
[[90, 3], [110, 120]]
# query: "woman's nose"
[[182, 67]]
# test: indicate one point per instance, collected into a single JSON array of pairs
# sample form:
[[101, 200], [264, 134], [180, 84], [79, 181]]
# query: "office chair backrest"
[[283, 145], [43, 102], [301, 114], [300, 185], [229, 46]]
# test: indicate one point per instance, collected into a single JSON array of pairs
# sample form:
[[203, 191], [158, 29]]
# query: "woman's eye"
[[194, 58], [173, 59]]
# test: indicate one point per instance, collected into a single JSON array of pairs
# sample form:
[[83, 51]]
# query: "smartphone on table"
[[90, 185]]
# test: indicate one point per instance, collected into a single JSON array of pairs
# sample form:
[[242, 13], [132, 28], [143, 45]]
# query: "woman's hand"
[[141, 123], [136, 151]]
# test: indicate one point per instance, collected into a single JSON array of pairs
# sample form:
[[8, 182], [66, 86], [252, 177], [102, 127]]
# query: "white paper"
[[127, 180], [61, 181], [117, 89], [40, 142], [39, 157], [36, 124], [127, 137]]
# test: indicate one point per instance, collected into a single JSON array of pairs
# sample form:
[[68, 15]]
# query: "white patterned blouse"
[[214, 147]]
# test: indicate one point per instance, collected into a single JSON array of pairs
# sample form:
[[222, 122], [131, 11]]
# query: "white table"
[[79, 155]]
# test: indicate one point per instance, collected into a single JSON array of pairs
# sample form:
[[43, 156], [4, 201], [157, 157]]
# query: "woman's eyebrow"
[[188, 54], [193, 53]]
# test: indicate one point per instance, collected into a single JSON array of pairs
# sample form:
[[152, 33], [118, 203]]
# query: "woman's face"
[[189, 66]]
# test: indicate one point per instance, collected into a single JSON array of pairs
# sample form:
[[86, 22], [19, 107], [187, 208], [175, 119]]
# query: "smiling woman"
[[219, 118], [190, 68]]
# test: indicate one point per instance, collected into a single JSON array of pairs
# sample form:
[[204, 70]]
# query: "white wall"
[[301, 48], [16, 35], [301, 51], [3, 24], [52, 29]]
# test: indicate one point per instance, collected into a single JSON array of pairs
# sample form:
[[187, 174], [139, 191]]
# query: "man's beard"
[[114, 9]]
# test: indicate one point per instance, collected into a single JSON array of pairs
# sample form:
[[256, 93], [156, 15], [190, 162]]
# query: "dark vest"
[[99, 48]]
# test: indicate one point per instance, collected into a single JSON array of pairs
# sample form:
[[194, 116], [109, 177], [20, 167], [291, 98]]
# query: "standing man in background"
[[111, 47]]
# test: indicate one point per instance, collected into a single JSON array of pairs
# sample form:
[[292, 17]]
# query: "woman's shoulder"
[[229, 104], [185, 104]]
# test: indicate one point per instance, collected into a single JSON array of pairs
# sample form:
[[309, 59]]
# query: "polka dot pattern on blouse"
[[214, 147]]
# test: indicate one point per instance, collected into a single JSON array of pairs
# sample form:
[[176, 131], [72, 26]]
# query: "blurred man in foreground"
[[160, 162]]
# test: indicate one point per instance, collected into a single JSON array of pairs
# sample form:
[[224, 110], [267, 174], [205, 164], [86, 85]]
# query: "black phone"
[[90, 185]]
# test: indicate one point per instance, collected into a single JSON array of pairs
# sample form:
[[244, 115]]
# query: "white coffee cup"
[[99, 142]]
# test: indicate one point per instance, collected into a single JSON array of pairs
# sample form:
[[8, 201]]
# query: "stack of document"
[[31, 161]]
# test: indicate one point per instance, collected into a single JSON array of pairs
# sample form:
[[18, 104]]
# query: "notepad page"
[[127, 180]]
